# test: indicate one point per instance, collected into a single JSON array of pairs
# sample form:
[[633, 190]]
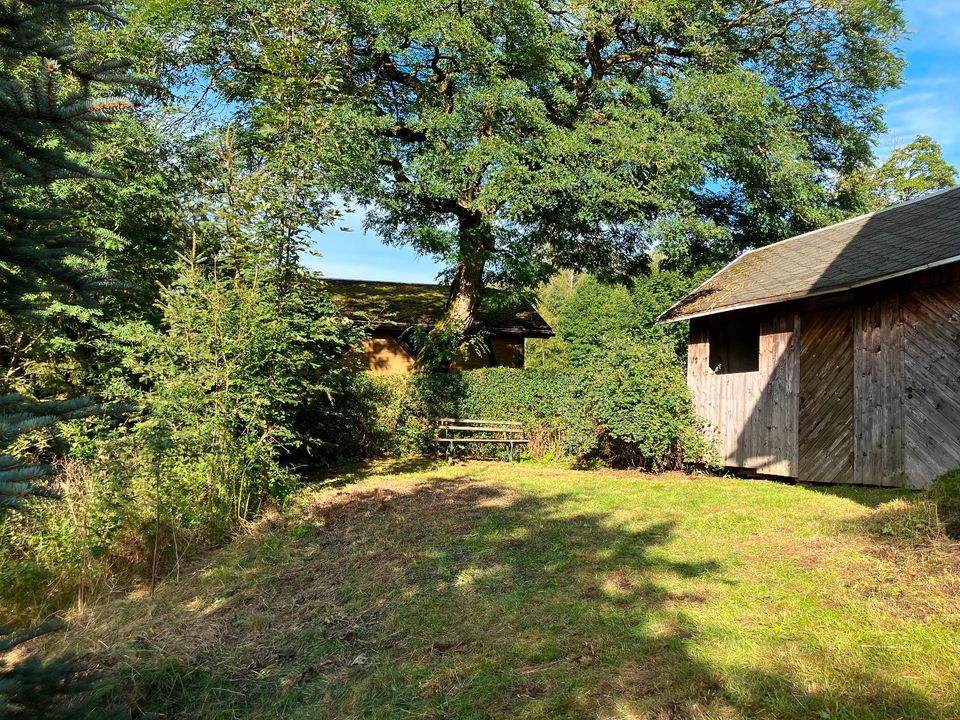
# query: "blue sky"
[[928, 103]]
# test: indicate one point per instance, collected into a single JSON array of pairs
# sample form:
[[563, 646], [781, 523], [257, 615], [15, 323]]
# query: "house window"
[[735, 345]]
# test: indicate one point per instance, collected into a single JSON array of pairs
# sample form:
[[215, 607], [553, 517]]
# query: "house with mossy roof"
[[396, 311]]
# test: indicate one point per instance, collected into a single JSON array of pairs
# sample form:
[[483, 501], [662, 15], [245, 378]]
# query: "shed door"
[[826, 396]]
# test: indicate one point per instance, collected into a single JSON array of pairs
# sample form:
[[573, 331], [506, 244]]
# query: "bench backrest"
[[479, 425]]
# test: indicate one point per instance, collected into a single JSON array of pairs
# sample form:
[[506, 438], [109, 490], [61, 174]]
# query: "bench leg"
[[511, 452], [451, 453]]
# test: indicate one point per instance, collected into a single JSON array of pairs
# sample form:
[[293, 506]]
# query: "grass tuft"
[[907, 521]]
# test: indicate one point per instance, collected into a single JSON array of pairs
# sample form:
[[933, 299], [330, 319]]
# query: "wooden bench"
[[454, 431]]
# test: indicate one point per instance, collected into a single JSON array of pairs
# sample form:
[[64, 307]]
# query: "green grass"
[[487, 590]]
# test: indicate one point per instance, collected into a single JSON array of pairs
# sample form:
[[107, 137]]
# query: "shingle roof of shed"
[[405, 304], [888, 243]]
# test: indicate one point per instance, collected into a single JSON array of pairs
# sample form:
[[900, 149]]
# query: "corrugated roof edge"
[[664, 316]]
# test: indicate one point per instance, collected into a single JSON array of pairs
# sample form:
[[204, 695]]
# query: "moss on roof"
[[405, 304], [898, 240]]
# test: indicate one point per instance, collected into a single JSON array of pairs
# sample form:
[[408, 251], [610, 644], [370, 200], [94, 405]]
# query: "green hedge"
[[631, 408], [945, 492], [497, 393]]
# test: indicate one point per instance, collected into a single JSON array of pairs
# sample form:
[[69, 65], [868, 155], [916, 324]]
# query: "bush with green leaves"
[[636, 397], [629, 406], [240, 384], [238, 380], [945, 492], [595, 314]]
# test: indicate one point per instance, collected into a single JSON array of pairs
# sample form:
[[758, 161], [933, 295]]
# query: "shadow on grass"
[[343, 475], [863, 495], [456, 600]]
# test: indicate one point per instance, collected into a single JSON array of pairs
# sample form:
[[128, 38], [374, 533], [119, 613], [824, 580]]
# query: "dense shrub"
[[629, 407], [64, 551], [237, 377], [241, 382], [595, 314], [637, 400], [945, 492]]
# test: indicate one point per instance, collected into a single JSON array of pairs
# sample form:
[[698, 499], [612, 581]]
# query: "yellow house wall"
[[471, 359], [385, 356]]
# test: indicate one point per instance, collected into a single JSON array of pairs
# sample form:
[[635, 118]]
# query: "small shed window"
[[735, 345]]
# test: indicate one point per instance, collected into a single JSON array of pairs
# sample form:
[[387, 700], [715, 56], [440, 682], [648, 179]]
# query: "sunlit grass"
[[491, 590]]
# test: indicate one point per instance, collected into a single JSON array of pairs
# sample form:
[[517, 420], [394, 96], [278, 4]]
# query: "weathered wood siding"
[[861, 389], [752, 416], [877, 391], [826, 396], [507, 352], [931, 382]]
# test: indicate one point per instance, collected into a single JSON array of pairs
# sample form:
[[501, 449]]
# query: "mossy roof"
[[889, 243], [406, 304]]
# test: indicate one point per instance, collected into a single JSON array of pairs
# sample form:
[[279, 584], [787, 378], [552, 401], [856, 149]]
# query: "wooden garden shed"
[[834, 356]]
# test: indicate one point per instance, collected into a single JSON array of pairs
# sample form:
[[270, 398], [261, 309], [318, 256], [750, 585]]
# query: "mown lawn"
[[486, 590]]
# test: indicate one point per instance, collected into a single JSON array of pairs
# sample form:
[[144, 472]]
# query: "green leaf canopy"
[[512, 137]]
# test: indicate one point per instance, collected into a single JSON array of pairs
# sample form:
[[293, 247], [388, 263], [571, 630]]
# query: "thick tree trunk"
[[475, 241], [466, 290]]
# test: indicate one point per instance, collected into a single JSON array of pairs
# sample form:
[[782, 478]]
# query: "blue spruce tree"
[[51, 94]]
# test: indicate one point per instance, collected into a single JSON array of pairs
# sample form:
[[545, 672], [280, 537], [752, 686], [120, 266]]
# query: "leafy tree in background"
[[597, 315], [909, 172], [551, 353], [509, 139]]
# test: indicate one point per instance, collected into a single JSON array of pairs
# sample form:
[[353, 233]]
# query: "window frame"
[[738, 351]]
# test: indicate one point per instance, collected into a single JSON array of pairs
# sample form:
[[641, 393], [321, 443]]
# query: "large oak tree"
[[510, 138]]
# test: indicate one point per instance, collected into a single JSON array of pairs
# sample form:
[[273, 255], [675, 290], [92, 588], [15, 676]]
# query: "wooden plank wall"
[[877, 391], [752, 416], [931, 382], [826, 395], [876, 375], [507, 351], [907, 380]]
